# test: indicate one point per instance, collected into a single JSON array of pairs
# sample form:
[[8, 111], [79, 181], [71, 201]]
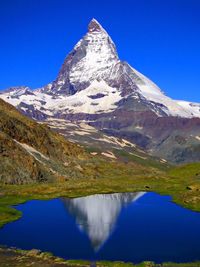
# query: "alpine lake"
[[132, 227]]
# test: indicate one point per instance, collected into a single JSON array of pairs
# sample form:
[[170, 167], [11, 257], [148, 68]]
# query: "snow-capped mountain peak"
[[94, 66]]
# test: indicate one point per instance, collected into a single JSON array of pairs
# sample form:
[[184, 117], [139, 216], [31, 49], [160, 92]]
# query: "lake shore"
[[18, 258], [183, 190]]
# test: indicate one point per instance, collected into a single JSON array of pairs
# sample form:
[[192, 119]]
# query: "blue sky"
[[160, 38]]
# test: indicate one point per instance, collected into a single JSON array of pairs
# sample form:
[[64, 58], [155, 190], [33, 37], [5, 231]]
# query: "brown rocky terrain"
[[31, 152]]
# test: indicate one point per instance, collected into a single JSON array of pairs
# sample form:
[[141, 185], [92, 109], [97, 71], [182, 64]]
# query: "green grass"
[[78, 262], [144, 159], [114, 263], [8, 214], [188, 170]]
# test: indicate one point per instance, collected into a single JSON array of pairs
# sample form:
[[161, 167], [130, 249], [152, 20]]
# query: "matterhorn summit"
[[93, 58], [94, 86], [94, 66]]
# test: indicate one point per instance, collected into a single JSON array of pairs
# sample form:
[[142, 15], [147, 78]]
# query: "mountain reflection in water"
[[96, 215]]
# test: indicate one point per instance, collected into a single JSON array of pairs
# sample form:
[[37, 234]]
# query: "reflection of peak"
[[96, 215]]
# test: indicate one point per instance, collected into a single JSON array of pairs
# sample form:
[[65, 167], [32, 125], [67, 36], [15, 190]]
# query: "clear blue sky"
[[160, 38]]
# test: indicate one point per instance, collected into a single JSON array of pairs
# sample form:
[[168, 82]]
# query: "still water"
[[126, 226]]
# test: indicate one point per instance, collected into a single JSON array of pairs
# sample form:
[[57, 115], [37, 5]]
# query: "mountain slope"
[[96, 87], [32, 152]]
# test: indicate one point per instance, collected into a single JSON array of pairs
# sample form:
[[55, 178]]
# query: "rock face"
[[94, 85]]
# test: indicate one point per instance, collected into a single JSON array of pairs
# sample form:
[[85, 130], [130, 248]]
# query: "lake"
[[122, 226]]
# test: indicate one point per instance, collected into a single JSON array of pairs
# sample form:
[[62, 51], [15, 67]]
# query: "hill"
[[31, 152]]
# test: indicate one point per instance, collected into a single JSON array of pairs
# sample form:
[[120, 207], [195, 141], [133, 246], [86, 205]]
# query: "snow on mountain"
[[88, 100], [99, 60], [93, 80], [193, 108], [85, 101], [171, 107]]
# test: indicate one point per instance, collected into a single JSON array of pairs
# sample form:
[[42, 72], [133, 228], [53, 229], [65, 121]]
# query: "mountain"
[[95, 87]]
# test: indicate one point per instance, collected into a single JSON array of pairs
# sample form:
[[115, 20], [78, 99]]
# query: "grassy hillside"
[[188, 170], [31, 152], [38, 136]]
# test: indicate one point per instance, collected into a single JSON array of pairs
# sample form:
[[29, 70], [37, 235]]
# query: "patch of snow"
[[128, 143], [24, 109], [85, 126], [81, 132], [139, 127], [197, 137], [32, 151], [94, 153], [108, 154], [137, 155]]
